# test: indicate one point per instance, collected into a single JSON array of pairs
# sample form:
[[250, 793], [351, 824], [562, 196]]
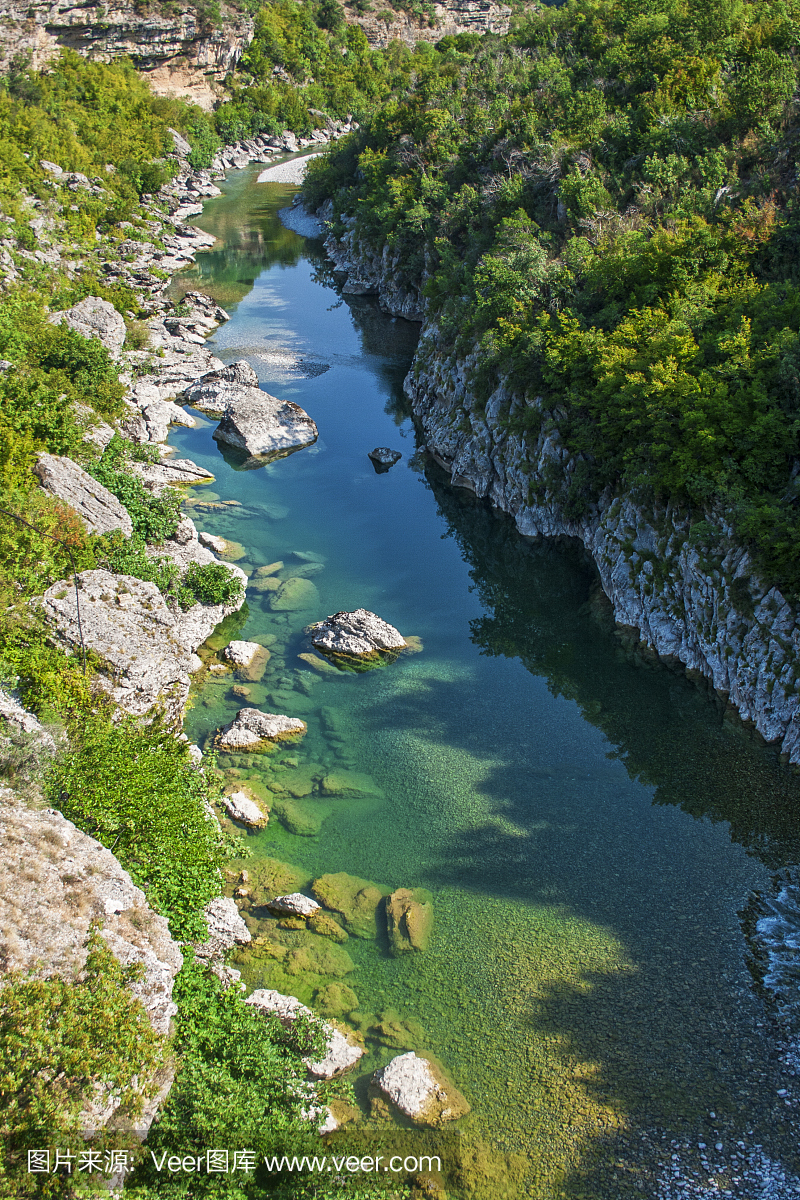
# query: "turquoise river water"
[[588, 822]]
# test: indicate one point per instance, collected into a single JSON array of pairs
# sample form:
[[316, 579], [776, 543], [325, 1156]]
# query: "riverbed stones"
[[353, 784], [354, 900], [334, 999], [295, 904], [294, 595], [409, 919], [341, 1050], [263, 426], [360, 634], [295, 817], [323, 924], [249, 658], [253, 731], [418, 1089], [242, 808], [98, 508]]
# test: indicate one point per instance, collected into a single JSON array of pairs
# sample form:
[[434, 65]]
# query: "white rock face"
[[100, 510], [148, 648], [240, 807], [212, 392], [12, 711], [212, 541], [54, 882], [341, 1053], [264, 426], [415, 1088], [94, 317], [251, 728], [358, 633], [295, 905], [172, 472], [225, 929]]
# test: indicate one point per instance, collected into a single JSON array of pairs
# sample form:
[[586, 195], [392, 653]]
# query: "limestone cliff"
[[460, 16], [700, 601], [182, 51]]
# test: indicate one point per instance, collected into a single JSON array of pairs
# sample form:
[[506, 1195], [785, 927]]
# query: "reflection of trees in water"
[[543, 606], [391, 342]]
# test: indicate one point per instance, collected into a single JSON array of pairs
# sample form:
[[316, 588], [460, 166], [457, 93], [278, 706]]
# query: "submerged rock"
[[293, 595], [99, 509], [419, 1090], [355, 900], [240, 807], [359, 635], [252, 730], [383, 458], [409, 919]]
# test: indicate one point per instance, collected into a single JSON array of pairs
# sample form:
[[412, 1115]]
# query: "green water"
[[589, 823]]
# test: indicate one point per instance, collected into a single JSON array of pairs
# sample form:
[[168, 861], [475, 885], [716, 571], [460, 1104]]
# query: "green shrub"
[[59, 1042], [211, 584], [134, 787], [154, 518]]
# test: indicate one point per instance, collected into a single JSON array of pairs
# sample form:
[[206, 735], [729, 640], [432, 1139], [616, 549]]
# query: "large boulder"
[[357, 635], [55, 883], [261, 425], [214, 391], [99, 509], [94, 317], [253, 731], [341, 1052], [419, 1091], [409, 919], [148, 650]]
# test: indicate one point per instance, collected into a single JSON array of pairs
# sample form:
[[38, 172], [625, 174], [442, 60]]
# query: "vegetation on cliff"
[[600, 210]]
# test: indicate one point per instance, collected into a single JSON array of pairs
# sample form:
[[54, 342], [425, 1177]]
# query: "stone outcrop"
[[54, 883], [226, 929], [240, 807], [12, 712], [98, 508], [97, 318], [374, 273], [341, 1052], [171, 472], [383, 458], [357, 634], [263, 426], [252, 731], [409, 919], [147, 648], [419, 1091], [383, 25]]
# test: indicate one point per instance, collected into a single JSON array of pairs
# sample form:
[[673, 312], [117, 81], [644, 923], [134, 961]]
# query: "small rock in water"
[[358, 634], [240, 807], [252, 730], [383, 458], [295, 904]]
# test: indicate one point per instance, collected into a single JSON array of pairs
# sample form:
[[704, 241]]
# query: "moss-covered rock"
[[334, 999], [318, 957], [295, 817], [355, 900], [323, 924], [349, 783], [409, 919], [294, 595]]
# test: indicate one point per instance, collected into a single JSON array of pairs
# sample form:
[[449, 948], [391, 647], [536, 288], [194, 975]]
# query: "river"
[[589, 822]]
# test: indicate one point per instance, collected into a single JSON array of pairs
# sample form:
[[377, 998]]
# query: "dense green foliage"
[[305, 63], [60, 1042], [211, 584], [135, 788], [154, 517], [603, 204]]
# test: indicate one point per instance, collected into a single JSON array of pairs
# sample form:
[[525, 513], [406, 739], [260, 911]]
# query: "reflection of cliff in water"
[[544, 606]]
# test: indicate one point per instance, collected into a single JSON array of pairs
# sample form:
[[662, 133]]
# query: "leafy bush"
[[135, 788], [154, 518], [211, 584], [60, 1042]]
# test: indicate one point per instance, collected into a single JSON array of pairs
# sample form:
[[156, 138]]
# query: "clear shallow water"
[[588, 823]]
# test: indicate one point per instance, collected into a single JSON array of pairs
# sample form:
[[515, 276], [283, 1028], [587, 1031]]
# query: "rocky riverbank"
[[695, 599]]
